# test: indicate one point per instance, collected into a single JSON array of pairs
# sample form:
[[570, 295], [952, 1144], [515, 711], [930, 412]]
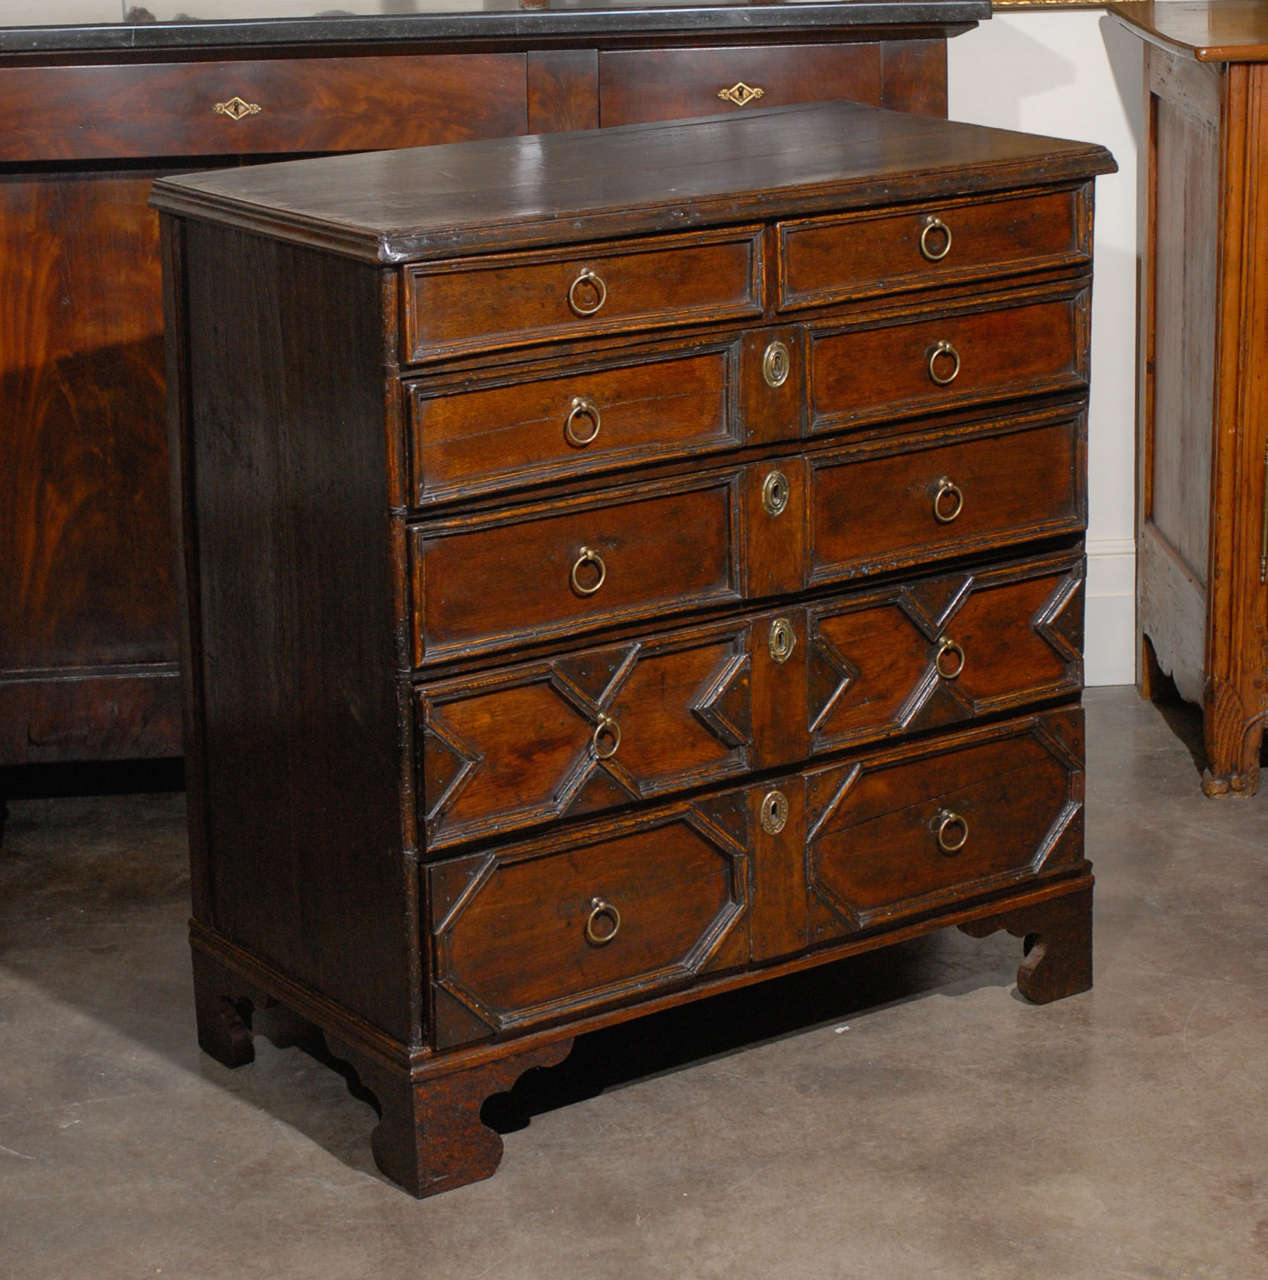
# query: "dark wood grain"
[[304, 104], [640, 85], [489, 748]]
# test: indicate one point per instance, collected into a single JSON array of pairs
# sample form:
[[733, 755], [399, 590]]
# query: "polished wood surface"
[[487, 748], [88, 626], [1205, 30], [1202, 522]]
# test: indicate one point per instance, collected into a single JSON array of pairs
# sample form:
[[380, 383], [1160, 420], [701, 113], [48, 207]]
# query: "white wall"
[[1075, 73]]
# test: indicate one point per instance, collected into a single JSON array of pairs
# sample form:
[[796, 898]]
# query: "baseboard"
[[1110, 617]]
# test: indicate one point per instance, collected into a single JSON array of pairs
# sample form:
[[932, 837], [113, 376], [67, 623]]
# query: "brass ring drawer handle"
[[582, 408], [594, 282], [588, 556], [945, 511], [606, 730], [939, 231], [950, 659], [937, 352], [599, 912], [953, 831]]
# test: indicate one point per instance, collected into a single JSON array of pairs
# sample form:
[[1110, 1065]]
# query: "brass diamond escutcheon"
[[741, 94], [235, 108]]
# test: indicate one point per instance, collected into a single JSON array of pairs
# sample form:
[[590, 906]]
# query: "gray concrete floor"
[[906, 1115]]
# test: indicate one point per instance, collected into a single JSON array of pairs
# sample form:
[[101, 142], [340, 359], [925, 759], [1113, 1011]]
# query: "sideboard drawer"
[[557, 568], [943, 361], [858, 255], [538, 932], [896, 833], [278, 105], [596, 415], [640, 85], [489, 303], [923, 500]]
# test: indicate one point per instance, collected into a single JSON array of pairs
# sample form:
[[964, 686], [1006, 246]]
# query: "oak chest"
[[622, 567]]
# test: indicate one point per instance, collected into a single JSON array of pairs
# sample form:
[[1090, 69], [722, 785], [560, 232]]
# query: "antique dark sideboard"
[[90, 116], [623, 566]]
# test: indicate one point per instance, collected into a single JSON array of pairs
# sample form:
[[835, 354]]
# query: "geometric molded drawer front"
[[858, 255], [540, 931], [489, 303], [934, 651], [549, 569], [521, 428], [922, 498], [583, 731], [943, 361], [278, 105], [896, 833]]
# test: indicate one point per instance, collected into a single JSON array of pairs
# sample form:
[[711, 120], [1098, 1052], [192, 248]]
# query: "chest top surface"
[[512, 193]]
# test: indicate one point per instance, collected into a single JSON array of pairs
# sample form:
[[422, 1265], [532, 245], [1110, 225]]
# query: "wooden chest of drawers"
[[623, 567]]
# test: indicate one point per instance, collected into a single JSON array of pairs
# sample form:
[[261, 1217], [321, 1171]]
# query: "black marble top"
[[427, 20]]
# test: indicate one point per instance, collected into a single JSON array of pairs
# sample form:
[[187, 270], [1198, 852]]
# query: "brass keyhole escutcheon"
[[775, 490], [935, 239], [953, 831], [776, 364], [603, 923], [774, 813], [783, 640]]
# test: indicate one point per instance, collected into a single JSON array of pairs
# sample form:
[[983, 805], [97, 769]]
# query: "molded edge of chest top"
[[430, 203]]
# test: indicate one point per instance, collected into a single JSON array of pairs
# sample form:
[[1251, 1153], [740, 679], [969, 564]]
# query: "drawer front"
[[936, 651], [887, 509], [539, 932], [594, 416], [826, 260], [540, 571], [282, 105], [894, 834], [641, 85], [490, 303], [584, 732], [944, 361]]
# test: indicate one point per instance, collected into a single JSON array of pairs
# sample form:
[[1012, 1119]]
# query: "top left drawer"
[[490, 303], [278, 106]]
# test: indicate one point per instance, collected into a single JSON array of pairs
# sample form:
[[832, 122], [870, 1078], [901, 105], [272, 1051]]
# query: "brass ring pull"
[[948, 649], [588, 556], [599, 911], [595, 282], [953, 831], [608, 728], [934, 354], [936, 227], [943, 512], [582, 408]]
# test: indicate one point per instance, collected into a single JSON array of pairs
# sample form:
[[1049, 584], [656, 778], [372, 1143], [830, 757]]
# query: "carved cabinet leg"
[[430, 1137], [1058, 944], [1233, 740], [218, 1000]]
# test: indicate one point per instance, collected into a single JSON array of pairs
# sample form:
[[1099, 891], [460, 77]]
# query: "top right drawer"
[[860, 255]]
